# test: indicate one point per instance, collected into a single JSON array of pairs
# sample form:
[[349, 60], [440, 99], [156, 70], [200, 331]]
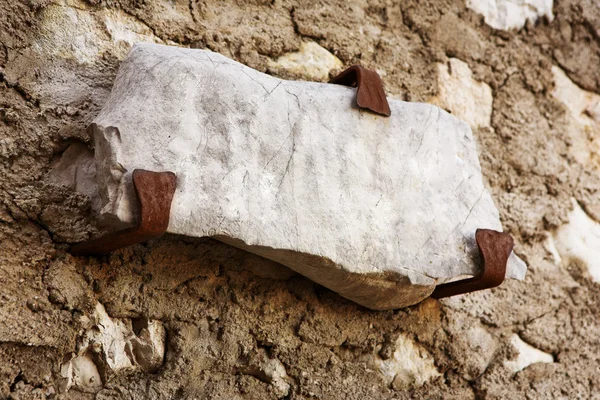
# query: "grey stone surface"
[[377, 209]]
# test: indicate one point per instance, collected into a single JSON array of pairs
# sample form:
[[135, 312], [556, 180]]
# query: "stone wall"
[[181, 318]]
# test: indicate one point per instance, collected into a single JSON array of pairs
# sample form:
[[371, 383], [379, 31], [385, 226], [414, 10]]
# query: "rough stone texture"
[[526, 355], [584, 117], [460, 94], [377, 209], [311, 61], [268, 370], [410, 365], [511, 14], [110, 346], [76, 170], [578, 241], [217, 313]]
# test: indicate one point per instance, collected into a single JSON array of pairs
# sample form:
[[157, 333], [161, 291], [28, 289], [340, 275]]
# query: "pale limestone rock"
[[81, 372], [116, 347], [269, 370], [121, 347], [109, 337], [527, 355], [147, 349], [67, 32], [76, 170], [125, 29], [311, 60], [481, 346], [72, 32], [276, 372], [410, 365], [511, 14], [580, 239], [470, 342], [377, 209], [464, 97], [584, 117], [551, 248]]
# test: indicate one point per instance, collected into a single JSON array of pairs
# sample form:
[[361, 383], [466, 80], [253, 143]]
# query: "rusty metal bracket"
[[369, 93], [495, 248], [155, 191]]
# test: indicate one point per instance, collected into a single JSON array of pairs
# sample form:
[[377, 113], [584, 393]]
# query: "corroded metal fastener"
[[495, 248], [155, 192], [369, 93]]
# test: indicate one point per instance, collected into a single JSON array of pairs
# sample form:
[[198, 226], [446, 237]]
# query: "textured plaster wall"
[[181, 318]]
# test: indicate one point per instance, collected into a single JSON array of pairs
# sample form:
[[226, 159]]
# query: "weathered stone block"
[[377, 209], [510, 14]]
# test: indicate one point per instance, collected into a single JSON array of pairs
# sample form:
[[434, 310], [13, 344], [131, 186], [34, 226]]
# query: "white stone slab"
[[579, 239], [526, 356], [511, 14], [377, 209]]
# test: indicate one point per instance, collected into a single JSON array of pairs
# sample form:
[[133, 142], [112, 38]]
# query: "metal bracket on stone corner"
[[369, 93], [155, 191], [495, 248]]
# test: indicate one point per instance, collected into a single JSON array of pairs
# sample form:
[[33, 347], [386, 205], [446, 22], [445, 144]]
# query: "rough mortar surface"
[[238, 326]]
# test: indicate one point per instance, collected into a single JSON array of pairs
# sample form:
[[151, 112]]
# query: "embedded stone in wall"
[[466, 98], [111, 345], [311, 61], [527, 355], [269, 370], [580, 239], [583, 109], [125, 30], [380, 210], [510, 14], [68, 53], [83, 36], [81, 372], [472, 343], [411, 365], [76, 170]]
